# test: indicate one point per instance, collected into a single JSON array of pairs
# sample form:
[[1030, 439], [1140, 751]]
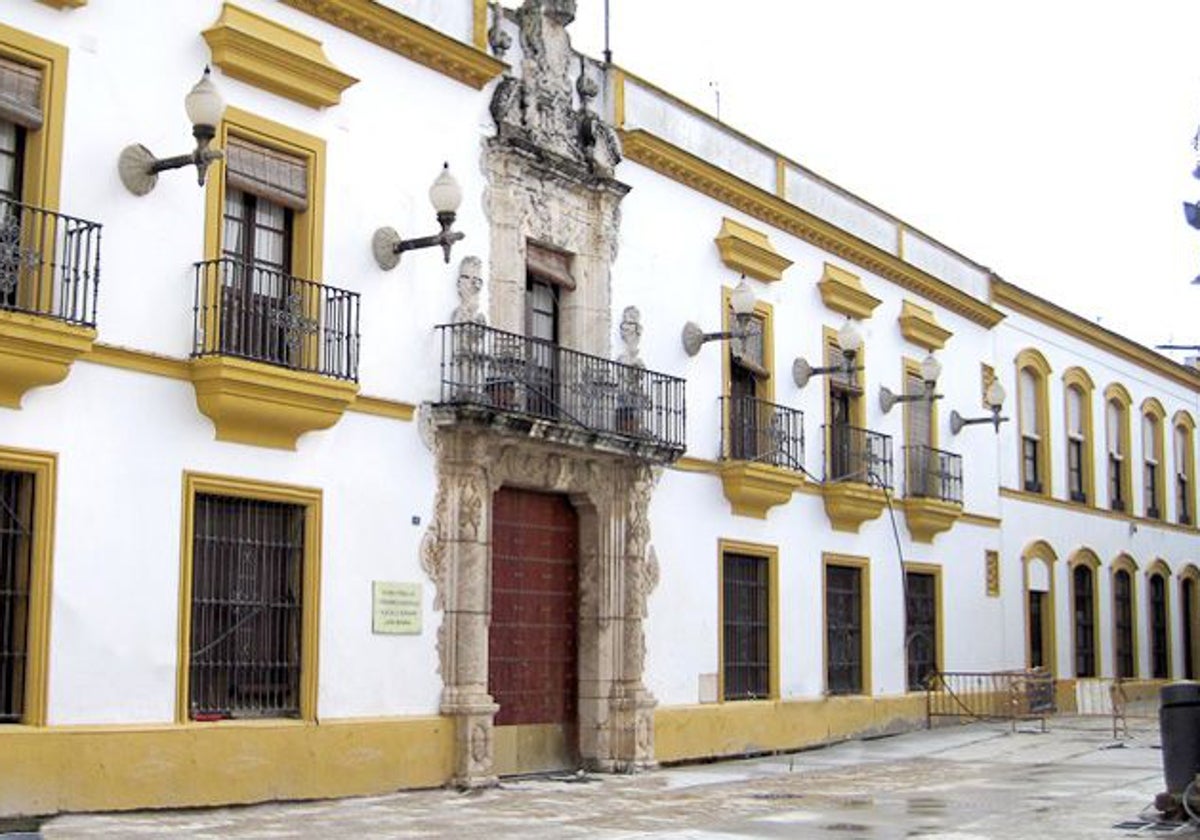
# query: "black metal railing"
[[932, 474], [267, 316], [757, 430], [515, 374], [49, 263], [854, 454]]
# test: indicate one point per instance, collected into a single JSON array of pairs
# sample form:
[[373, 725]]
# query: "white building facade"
[[284, 516]]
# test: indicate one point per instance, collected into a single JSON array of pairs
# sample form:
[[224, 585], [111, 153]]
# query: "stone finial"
[[470, 284], [631, 337], [499, 40]]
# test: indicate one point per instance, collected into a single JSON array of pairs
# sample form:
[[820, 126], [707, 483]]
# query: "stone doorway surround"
[[617, 571]]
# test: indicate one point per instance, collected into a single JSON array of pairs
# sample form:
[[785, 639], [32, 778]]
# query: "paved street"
[[954, 783]]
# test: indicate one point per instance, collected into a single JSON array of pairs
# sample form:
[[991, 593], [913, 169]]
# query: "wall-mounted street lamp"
[[931, 369], [995, 400], [445, 195], [849, 340], [741, 299], [139, 168]]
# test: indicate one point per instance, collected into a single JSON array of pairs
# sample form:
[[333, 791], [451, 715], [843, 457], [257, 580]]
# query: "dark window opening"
[[1038, 657], [1187, 592], [1151, 490], [1123, 623], [1075, 470], [1030, 465], [16, 570], [1116, 493], [747, 626], [1159, 665], [247, 560], [843, 630], [1085, 622], [920, 592]]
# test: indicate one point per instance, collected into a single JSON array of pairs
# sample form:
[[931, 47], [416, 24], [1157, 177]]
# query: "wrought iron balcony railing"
[[267, 316], [49, 263], [757, 430], [932, 474], [503, 372], [860, 455]]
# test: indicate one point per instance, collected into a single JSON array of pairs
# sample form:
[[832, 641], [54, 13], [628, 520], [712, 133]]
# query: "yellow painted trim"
[[141, 361], [44, 468], [753, 488], [939, 611], [858, 408], [1033, 360], [765, 312], [991, 572], [1040, 550], [1010, 296], [926, 518], [1183, 420], [697, 733], [663, 157], [1159, 568], [981, 520], [1037, 498], [771, 554], [1151, 407], [1190, 573], [269, 55], [308, 498], [781, 176], [101, 768], [399, 33], [381, 407], [1117, 393], [848, 505], [1077, 377], [479, 24], [1125, 563], [910, 367], [697, 465], [42, 174], [863, 564], [749, 251], [308, 227], [842, 291], [919, 325], [65, 4], [618, 97], [1086, 557], [264, 405], [36, 352]]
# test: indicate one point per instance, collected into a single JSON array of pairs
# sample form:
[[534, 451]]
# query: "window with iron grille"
[[843, 629], [1123, 622], [247, 575], [1159, 668], [1187, 598], [1085, 621], [920, 605], [747, 627], [16, 540], [1037, 630]]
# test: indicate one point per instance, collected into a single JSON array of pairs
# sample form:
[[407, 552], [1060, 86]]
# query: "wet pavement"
[[951, 783]]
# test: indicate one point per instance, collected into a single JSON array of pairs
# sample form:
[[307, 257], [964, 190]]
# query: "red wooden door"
[[532, 643]]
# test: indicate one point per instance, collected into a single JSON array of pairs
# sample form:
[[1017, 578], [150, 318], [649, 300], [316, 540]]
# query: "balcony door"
[[749, 420], [12, 154], [846, 459], [924, 473]]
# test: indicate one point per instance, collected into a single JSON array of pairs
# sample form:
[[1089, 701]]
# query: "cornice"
[[843, 292], [65, 4], [669, 160], [749, 251], [1076, 507], [269, 55], [1042, 310], [403, 35], [919, 325]]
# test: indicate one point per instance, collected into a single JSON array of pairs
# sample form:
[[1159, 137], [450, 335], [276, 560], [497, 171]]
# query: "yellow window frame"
[[770, 553], [863, 564]]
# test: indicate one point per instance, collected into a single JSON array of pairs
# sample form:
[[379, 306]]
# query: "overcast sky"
[[1049, 140]]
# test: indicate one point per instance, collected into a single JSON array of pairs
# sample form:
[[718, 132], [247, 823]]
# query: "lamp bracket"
[[694, 337]]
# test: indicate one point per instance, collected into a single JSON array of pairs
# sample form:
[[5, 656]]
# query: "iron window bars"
[[16, 538], [854, 454], [932, 474], [747, 622], [757, 430]]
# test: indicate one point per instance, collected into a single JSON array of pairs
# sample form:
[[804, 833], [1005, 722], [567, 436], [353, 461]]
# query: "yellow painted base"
[[56, 769], [263, 405], [753, 488], [849, 505], [533, 748], [927, 518], [36, 351], [688, 733]]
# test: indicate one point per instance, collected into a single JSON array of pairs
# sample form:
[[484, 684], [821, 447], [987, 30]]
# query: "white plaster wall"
[[826, 201], [943, 263], [385, 143]]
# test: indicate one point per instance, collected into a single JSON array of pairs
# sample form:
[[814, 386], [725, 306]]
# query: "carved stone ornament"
[[470, 284], [538, 109]]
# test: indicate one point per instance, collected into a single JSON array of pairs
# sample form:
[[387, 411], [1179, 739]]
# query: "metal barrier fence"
[[757, 430], [990, 695]]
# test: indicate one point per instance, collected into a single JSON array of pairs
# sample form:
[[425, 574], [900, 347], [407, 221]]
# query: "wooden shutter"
[[276, 176], [21, 94], [549, 265]]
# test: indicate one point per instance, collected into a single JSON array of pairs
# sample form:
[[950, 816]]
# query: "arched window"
[[1190, 609], [1124, 618], [1160, 628], [1034, 426], [1076, 446], [1039, 606], [1083, 600], [1184, 460], [1116, 432], [1152, 458]]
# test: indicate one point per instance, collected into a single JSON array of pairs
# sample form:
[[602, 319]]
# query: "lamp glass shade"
[[742, 299], [995, 393], [931, 368], [445, 194], [849, 338], [203, 103]]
